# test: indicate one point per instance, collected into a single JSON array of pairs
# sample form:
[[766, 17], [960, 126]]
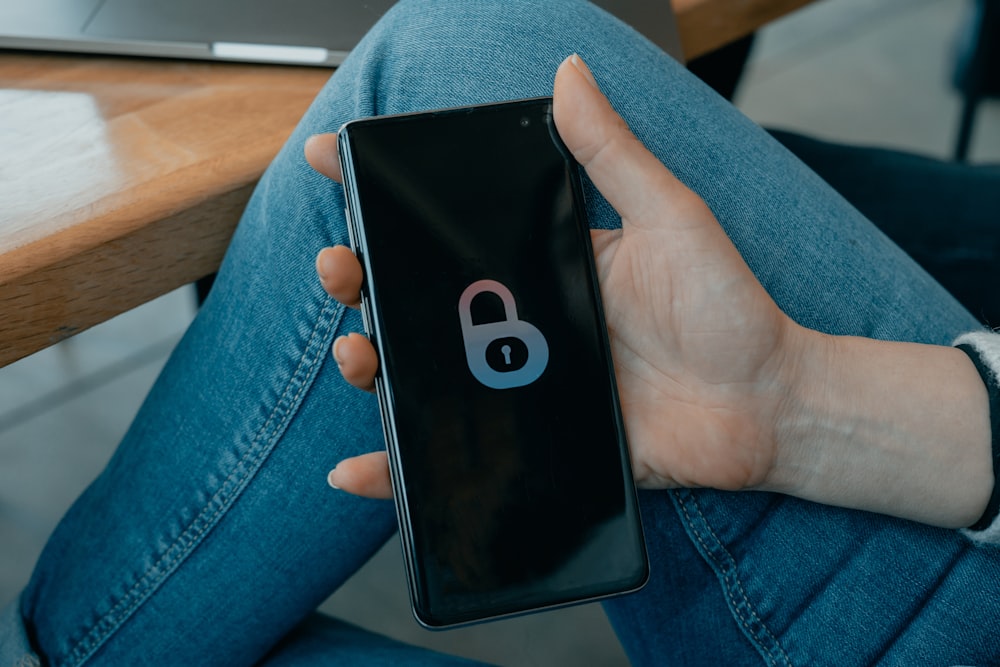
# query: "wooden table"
[[122, 179]]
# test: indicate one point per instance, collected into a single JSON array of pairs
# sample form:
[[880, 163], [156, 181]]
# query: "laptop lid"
[[307, 32]]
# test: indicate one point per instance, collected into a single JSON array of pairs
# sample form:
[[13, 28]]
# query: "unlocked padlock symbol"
[[505, 354]]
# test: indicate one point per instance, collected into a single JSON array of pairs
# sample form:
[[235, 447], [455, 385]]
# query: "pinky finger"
[[366, 475]]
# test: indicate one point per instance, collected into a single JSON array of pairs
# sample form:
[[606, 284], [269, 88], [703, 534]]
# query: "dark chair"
[[977, 67], [723, 68]]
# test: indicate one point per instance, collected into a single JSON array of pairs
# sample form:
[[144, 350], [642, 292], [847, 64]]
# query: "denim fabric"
[[943, 214], [212, 536]]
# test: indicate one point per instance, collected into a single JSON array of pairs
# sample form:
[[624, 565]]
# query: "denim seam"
[[724, 565], [227, 494]]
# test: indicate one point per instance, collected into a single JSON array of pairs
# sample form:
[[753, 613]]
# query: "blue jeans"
[[211, 536]]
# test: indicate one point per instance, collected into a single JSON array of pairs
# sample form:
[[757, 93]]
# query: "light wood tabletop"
[[122, 179]]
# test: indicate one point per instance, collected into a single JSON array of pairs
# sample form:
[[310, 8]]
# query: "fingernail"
[[329, 479], [582, 68], [336, 354]]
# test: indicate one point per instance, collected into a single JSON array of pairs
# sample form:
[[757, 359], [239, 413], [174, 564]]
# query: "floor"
[[849, 70]]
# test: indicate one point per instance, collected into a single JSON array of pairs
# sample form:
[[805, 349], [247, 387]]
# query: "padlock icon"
[[505, 354]]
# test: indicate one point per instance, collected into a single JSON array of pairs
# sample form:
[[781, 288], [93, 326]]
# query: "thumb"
[[631, 178]]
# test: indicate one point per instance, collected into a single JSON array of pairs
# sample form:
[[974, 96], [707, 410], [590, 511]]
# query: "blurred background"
[[849, 71]]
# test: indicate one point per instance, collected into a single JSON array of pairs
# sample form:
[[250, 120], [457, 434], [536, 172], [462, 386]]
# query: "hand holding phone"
[[697, 408], [690, 400]]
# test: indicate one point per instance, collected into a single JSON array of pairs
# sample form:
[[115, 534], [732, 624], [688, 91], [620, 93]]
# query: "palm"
[[693, 336]]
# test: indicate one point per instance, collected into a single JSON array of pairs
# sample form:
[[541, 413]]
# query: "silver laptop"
[[305, 32]]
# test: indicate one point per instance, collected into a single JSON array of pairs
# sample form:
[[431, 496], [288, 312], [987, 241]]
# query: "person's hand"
[[718, 387], [700, 349]]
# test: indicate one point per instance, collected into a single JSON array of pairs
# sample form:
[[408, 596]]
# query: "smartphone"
[[497, 391]]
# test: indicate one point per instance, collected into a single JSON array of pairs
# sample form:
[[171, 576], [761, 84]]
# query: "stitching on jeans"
[[221, 500], [200, 525], [732, 586]]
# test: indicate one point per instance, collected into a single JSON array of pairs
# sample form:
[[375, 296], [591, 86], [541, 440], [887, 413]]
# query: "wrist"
[[896, 428], [806, 364]]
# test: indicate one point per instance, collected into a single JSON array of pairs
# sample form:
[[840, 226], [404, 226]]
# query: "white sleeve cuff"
[[987, 346]]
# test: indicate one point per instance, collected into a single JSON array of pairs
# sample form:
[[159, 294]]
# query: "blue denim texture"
[[212, 536]]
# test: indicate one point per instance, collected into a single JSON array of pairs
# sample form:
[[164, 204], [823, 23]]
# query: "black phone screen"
[[509, 459]]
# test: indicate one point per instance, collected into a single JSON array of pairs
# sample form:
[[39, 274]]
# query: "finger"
[[356, 358], [321, 154], [340, 274], [366, 475], [631, 178]]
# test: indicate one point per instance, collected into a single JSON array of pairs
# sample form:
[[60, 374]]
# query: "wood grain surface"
[[122, 179], [705, 25]]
